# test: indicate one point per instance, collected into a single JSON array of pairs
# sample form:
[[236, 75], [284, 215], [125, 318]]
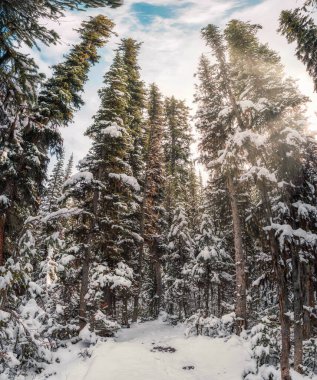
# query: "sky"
[[171, 46]]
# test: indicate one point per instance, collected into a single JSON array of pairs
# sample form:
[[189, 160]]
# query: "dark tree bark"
[[2, 238], [298, 312], [308, 300]]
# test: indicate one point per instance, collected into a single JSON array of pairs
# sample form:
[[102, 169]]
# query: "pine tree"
[[105, 233], [28, 136], [26, 139], [53, 190], [69, 167], [136, 105], [129, 49], [60, 95], [152, 222], [179, 259], [177, 152], [215, 40], [213, 264], [298, 26], [22, 23]]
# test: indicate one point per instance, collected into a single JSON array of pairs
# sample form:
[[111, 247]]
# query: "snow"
[[62, 213], [129, 356], [246, 104], [127, 179], [4, 201], [240, 137], [285, 232], [133, 355], [113, 130], [80, 176]]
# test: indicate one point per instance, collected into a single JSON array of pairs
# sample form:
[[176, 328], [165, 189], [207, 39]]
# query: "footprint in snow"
[[188, 367]]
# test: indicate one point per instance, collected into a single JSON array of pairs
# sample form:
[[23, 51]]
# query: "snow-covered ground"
[[134, 355]]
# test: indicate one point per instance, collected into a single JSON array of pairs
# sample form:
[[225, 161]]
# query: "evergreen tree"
[[129, 49], [177, 152], [26, 139], [136, 105], [69, 167], [105, 191], [179, 259], [22, 23], [27, 136], [223, 94], [299, 26], [53, 190], [152, 222], [212, 267]]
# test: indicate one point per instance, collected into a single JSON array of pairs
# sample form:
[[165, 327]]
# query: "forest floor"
[[154, 351]]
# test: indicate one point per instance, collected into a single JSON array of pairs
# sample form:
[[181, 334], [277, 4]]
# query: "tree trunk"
[[141, 253], [125, 320], [298, 312], [241, 304], [136, 301], [2, 238], [308, 301], [83, 292], [158, 281], [207, 288], [280, 276]]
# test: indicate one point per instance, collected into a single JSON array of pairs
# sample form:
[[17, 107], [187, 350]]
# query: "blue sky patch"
[[147, 12]]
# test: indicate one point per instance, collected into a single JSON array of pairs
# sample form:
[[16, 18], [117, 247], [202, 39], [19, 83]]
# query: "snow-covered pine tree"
[[54, 186], [153, 212], [299, 26], [216, 123], [213, 265], [109, 161], [103, 245], [178, 267], [69, 167], [135, 107], [30, 133], [267, 111], [177, 152], [26, 140], [193, 193], [273, 145], [129, 49]]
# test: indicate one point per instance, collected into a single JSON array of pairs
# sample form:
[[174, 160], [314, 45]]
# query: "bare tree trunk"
[[158, 279], [136, 299], [207, 289], [241, 304], [125, 320], [83, 292], [298, 312], [2, 238], [280, 275], [219, 311], [308, 301]]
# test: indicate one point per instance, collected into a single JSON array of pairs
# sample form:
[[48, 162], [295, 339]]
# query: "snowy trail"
[[132, 356]]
